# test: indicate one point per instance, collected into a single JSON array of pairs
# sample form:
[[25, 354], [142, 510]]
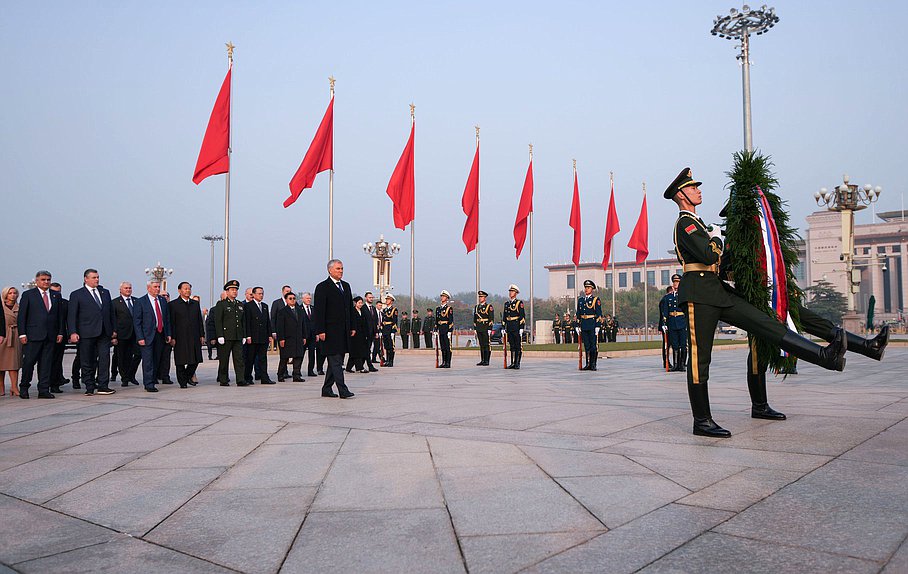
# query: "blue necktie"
[[94, 293], [339, 286]]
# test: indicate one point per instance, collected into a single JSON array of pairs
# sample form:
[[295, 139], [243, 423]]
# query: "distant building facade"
[[628, 274]]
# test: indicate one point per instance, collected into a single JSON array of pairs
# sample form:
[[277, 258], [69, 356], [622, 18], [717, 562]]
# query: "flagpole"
[[331, 81], [412, 224], [645, 288], [611, 179], [575, 265], [230, 48], [477, 222], [532, 297]]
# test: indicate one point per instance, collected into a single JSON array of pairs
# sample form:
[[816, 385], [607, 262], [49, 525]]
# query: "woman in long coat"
[[292, 335], [359, 343], [10, 348]]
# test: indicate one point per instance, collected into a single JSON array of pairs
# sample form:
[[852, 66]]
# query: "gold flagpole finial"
[[611, 177], [230, 48], [531, 151], [575, 164], [413, 111], [644, 188], [477, 132], [331, 81]]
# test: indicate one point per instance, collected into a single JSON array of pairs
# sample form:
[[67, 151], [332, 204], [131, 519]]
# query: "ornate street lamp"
[[382, 252], [160, 273], [739, 25], [848, 198], [213, 239]]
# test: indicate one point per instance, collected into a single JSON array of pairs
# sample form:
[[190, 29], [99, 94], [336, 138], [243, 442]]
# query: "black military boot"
[[873, 348], [586, 366], [679, 362], [760, 409], [594, 356], [513, 360], [831, 357], [704, 425], [517, 360], [486, 357]]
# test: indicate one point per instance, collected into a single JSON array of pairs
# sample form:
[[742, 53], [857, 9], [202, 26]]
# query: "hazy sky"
[[103, 106]]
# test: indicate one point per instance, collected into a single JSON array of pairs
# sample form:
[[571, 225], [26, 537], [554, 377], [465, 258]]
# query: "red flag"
[[640, 236], [214, 157], [470, 203], [402, 187], [611, 228], [319, 157], [575, 220], [523, 211]]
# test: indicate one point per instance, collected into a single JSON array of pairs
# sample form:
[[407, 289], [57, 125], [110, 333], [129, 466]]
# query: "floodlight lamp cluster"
[[739, 23]]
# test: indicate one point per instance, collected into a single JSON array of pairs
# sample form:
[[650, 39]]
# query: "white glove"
[[664, 329], [490, 333], [578, 330], [714, 230], [244, 340], [521, 332], [597, 331], [221, 340]]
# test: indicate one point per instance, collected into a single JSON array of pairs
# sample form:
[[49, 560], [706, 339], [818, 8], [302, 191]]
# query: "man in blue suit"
[[152, 325], [40, 328], [92, 324]]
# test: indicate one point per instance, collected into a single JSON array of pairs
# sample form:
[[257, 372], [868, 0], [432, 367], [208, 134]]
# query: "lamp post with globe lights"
[[213, 239], [159, 273], [846, 199], [382, 252], [739, 25]]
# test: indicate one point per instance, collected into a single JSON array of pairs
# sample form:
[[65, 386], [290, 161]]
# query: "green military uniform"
[[556, 329], [415, 328], [428, 327], [388, 329], [706, 300], [405, 330], [444, 322], [230, 325], [483, 317]]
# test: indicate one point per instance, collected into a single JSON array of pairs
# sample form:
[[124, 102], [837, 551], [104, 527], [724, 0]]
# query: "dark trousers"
[[185, 373], [310, 351], [376, 348], [297, 366], [415, 340], [128, 356], [677, 339], [334, 375], [115, 363], [589, 340], [151, 357], [56, 369], [405, 340], [40, 353], [482, 339], [557, 337], [76, 367], [427, 335], [95, 355], [163, 372], [514, 340], [257, 357], [388, 342], [702, 321], [320, 356], [234, 348]]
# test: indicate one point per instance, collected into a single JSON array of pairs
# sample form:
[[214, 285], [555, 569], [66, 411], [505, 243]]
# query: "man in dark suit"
[[91, 323], [307, 313], [372, 322], [276, 306], [163, 372], [128, 355], [292, 335], [333, 306], [258, 336], [57, 379], [187, 334], [40, 328], [151, 321]]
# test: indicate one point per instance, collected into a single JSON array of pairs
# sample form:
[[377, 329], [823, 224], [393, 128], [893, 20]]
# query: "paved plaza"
[[472, 469]]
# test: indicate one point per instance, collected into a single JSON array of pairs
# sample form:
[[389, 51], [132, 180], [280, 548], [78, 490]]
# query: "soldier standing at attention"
[[405, 329], [415, 328], [444, 322], [483, 317], [230, 329], [674, 324], [514, 318], [706, 300], [388, 328], [556, 328], [428, 327], [589, 312], [567, 328]]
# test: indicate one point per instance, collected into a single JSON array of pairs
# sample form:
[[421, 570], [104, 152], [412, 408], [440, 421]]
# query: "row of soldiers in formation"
[[566, 328]]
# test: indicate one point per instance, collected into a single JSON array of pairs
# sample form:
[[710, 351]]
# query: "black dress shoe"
[[135, 382], [242, 384], [765, 411], [373, 370], [151, 389], [166, 382], [281, 379], [46, 396], [348, 370], [184, 386], [329, 395], [298, 380], [89, 393], [708, 427], [105, 391], [76, 385], [23, 393], [321, 372], [267, 382], [311, 374], [124, 384], [56, 390], [193, 383], [346, 395], [225, 384]]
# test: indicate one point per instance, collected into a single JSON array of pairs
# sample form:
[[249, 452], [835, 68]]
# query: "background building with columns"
[[627, 275]]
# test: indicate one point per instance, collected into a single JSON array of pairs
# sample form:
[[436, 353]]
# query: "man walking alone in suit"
[[333, 307]]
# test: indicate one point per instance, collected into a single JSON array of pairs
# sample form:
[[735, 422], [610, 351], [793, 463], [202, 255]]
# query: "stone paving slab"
[[546, 469]]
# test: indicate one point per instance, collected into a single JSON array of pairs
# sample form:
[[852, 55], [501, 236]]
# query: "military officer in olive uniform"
[[706, 300], [230, 330], [405, 329], [428, 327], [674, 324], [514, 318], [415, 328], [556, 328], [388, 328], [589, 312], [483, 317], [444, 322]]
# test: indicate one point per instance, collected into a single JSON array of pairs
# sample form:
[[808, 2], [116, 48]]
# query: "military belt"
[[587, 316], [676, 314], [701, 267]]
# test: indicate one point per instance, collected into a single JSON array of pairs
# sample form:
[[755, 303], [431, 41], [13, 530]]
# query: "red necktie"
[[157, 312], [46, 301]]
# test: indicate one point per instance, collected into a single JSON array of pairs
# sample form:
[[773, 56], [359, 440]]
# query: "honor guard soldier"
[[483, 317], [674, 325], [444, 322], [567, 328], [415, 328], [706, 300], [230, 329], [556, 328], [589, 312], [514, 318], [388, 328]]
